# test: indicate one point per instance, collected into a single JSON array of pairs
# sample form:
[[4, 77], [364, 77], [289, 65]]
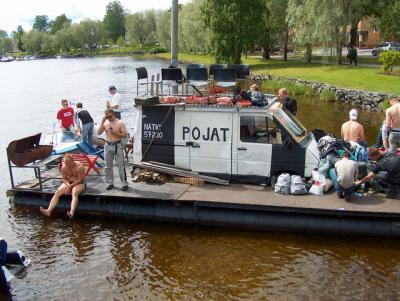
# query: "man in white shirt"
[[344, 176], [114, 102]]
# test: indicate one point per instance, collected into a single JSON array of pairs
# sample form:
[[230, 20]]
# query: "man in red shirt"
[[66, 118]]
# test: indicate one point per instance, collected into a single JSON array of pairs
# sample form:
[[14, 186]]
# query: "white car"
[[385, 46]]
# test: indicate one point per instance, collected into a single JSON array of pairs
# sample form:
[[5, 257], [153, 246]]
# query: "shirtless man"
[[393, 124], [73, 174], [352, 130], [115, 130]]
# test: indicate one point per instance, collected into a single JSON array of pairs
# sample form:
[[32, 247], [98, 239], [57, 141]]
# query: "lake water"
[[120, 259]]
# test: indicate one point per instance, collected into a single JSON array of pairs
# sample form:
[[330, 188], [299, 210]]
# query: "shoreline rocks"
[[372, 101]]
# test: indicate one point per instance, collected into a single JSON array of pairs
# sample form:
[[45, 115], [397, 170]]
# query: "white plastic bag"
[[297, 186], [319, 182], [283, 184]]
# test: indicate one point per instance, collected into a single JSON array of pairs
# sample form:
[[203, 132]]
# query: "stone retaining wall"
[[372, 101]]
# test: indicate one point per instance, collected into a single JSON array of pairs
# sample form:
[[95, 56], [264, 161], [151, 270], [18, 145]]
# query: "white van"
[[247, 145]]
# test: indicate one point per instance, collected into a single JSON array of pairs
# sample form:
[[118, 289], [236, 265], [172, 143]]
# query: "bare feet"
[[44, 211], [70, 215]]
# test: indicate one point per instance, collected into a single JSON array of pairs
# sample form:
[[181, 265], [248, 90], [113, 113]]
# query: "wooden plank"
[[169, 165], [182, 173], [189, 181]]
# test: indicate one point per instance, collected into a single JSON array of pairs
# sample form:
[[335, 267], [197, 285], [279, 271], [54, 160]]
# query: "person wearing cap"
[[114, 102], [353, 130], [393, 124], [386, 171], [289, 103], [65, 116]]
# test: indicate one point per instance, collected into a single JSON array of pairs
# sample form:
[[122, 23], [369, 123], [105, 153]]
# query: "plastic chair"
[[141, 73], [171, 77], [195, 66], [225, 77], [197, 77], [213, 67], [242, 72]]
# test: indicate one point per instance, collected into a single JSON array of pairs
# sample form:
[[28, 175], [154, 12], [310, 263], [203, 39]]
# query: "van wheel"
[[274, 179]]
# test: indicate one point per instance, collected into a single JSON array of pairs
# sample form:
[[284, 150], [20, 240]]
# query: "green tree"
[[58, 23], [32, 41], [192, 34], [388, 22], [3, 33], [47, 44], [121, 42], [17, 36], [163, 23], [41, 23], [63, 38], [88, 33], [114, 20], [141, 28], [6, 45], [231, 31]]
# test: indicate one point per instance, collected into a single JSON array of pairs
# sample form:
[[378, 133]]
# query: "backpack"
[[297, 186], [359, 154], [283, 184]]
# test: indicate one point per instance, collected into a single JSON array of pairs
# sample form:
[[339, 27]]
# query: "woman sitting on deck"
[[73, 174]]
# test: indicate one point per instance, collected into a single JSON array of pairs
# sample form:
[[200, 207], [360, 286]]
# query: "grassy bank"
[[360, 78]]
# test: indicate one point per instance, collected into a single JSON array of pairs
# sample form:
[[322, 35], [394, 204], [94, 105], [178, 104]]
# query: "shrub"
[[293, 89], [389, 59], [327, 95], [157, 49]]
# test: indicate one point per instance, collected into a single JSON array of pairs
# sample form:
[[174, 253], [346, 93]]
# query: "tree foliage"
[[6, 45], [163, 25], [114, 20], [41, 23], [17, 36], [231, 31], [88, 33], [32, 41], [141, 28], [388, 22], [58, 23], [192, 33], [3, 33]]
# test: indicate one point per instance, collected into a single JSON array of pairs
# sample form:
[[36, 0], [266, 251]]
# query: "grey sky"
[[14, 13]]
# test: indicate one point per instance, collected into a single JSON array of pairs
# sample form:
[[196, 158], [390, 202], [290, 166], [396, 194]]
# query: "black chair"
[[197, 77], [195, 66], [172, 77], [213, 67], [225, 77], [242, 71], [141, 73]]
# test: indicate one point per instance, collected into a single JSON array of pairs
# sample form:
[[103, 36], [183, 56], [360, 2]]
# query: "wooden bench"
[[88, 161]]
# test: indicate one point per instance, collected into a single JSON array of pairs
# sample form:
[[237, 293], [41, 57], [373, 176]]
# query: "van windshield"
[[289, 122]]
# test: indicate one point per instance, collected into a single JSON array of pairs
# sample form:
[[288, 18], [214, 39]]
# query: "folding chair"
[[225, 77], [242, 72], [88, 149], [197, 77], [195, 66], [172, 77], [141, 73], [213, 67]]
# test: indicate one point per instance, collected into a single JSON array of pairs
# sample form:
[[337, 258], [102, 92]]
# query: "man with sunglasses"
[[115, 130]]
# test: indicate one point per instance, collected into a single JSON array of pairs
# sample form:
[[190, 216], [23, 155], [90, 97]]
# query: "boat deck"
[[233, 205]]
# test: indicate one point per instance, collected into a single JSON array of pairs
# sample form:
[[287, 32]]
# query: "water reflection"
[[125, 259]]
